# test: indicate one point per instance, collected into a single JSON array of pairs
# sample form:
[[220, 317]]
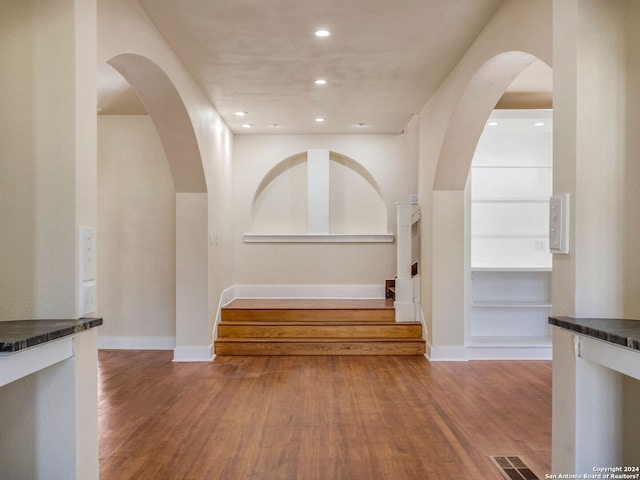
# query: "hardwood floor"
[[323, 417]]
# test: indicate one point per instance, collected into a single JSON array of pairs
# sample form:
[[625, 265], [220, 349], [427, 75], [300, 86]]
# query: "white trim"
[[317, 238], [308, 291], [33, 359], [226, 297], [463, 354], [446, 354], [136, 343], [193, 354], [509, 353]]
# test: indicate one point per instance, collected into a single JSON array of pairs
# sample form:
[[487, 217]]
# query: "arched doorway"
[[175, 132], [450, 221]]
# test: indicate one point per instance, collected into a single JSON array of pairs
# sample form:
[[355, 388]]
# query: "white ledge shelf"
[[317, 238], [511, 304], [509, 268]]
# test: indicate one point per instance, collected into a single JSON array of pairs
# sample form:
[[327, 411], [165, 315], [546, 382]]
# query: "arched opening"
[[451, 225], [152, 225], [470, 115], [169, 114]]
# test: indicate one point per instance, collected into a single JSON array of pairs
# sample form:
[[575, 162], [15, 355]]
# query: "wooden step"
[[319, 346], [290, 310], [319, 329], [315, 327]]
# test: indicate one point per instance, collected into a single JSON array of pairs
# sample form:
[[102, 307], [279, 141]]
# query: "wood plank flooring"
[[319, 417]]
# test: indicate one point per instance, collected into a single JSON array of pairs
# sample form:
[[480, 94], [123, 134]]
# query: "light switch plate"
[[87, 253], [87, 302], [88, 299], [559, 224]]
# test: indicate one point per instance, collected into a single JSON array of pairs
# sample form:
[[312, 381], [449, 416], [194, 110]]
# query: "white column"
[[193, 335], [405, 309], [318, 191]]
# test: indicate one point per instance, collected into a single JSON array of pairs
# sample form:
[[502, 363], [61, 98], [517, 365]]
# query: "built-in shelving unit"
[[511, 182]]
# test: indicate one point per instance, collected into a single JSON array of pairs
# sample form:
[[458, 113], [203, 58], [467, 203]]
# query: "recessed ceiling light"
[[320, 81], [361, 124], [319, 119], [241, 114], [493, 124], [276, 125], [322, 33], [538, 124], [247, 125]]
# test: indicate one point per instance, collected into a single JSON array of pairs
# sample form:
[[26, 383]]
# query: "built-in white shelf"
[[510, 187], [508, 268], [505, 199], [317, 238], [531, 165], [511, 304]]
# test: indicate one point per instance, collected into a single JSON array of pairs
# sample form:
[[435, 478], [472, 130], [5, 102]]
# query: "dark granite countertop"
[[624, 332], [16, 335]]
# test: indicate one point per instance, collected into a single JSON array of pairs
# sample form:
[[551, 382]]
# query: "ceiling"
[[382, 61]]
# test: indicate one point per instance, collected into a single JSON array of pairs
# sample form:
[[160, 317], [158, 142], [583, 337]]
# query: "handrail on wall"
[[407, 285]]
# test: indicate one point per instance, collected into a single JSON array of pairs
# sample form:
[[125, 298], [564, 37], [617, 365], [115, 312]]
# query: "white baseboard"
[[463, 354], [193, 354], [309, 291], [509, 353], [136, 343], [227, 296], [446, 354]]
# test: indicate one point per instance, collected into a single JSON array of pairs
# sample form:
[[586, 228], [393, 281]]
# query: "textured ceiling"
[[382, 61]]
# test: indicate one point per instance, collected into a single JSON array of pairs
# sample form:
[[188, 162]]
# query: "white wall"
[[597, 145], [46, 135], [390, 159], [596, 148], [136, 235], [47, 189]]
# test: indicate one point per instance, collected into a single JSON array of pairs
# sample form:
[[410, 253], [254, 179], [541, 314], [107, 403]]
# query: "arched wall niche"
[[357, 203], [162, 101], [280, 202], [355, 198]]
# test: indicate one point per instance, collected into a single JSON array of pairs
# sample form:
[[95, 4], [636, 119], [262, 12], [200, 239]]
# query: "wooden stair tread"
[[314, 323], [316, 327], [317, 340], [322, 347], [309, 304]]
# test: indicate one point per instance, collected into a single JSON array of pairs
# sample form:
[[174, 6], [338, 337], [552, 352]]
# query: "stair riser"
[[307, 315], [320, 348], [320, 331]]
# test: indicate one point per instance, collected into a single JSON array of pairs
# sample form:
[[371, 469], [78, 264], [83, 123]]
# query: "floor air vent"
[[513, 468]]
